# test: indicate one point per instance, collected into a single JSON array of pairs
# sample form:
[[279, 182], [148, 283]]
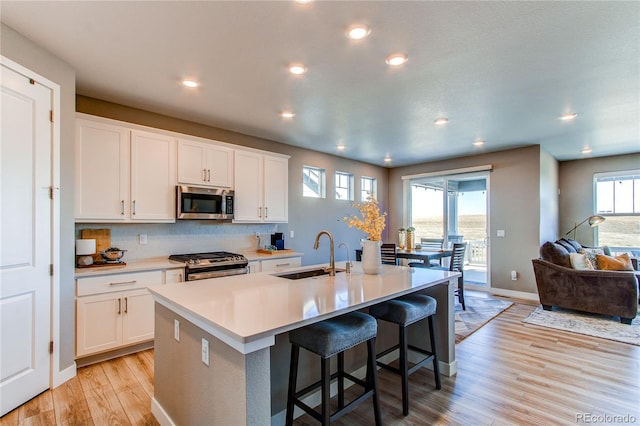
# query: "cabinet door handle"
[[119, 306], [124, 283], [204, 175], [259, 211], [134, 207], [266, 212], [122, 207], [126, 305], [208, 175], [280, 265]]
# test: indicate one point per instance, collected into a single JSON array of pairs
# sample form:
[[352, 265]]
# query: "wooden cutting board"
[[102, 237]]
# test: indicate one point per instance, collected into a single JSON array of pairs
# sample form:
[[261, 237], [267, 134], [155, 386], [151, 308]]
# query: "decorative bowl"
[[113, 254]]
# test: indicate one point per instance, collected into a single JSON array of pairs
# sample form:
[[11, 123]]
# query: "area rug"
[[603, 326], [480, 310]]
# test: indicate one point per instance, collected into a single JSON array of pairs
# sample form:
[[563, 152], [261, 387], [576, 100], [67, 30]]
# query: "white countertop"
[[247, 311], [131, 266], [156, 263]]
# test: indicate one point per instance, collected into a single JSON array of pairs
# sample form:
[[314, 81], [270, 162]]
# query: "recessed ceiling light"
[[297, 69], [478, 142], [340, 147], [568, 116], [387, 159], [586, 151], [440, 121], [190, 83], [287, 114], [357, 31], [396, 59], [303, 1]]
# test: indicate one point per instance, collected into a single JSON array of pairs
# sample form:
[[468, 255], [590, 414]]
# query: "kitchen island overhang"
[[240, 317]]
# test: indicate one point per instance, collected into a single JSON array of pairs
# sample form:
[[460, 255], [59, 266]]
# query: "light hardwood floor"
[[508, 373]]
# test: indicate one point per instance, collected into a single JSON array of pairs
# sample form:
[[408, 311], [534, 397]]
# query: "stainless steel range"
[[200, 266]]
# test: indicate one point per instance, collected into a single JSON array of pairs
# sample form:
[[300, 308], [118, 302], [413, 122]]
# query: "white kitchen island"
[[245, 320]]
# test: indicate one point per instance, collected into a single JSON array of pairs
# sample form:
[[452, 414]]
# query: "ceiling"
[[501, 72]]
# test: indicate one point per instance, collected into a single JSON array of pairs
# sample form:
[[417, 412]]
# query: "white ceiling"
[[499, 71]]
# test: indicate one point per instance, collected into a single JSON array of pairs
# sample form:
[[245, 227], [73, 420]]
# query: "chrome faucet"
[[348, 264], [332, 261]]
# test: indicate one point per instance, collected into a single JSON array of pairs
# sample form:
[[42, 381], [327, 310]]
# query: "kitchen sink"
[[306, 273]]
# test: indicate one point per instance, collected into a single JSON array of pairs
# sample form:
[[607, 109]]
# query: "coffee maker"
[[277, 240]]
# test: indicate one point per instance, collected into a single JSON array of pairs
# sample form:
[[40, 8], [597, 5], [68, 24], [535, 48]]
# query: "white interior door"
[[25, 231]]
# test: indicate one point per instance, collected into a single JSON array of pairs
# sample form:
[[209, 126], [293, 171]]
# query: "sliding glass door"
[[456, 214]]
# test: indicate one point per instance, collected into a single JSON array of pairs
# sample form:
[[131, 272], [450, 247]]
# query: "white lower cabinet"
[[172, 276], [114, 311]]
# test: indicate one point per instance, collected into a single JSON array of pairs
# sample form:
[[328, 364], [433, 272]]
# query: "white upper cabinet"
[[261, 188], [102, 171], [204, 164], [123, 174], [153, 176]]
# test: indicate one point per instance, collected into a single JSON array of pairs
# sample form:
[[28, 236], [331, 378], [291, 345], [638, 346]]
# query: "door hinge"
[[51, 115], [51, 269], [51, 347], [51, 192]]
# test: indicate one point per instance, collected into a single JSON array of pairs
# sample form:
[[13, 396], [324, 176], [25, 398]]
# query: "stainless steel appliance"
[[204, 203], [200, 266]]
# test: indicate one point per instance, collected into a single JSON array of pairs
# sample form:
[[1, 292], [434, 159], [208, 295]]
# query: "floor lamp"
[[594, 221]]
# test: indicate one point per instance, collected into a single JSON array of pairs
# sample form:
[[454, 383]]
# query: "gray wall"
[[514, 200], [26, 53], [307, 216], [576, 190]]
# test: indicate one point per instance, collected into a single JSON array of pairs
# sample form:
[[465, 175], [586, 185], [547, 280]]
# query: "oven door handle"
[[216, 274]]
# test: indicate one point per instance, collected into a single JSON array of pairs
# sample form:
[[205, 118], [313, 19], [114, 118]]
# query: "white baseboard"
[[503, 292], [161, 416], [64, 375]]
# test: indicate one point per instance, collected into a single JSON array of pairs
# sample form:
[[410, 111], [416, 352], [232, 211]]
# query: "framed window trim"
[[314, 182], [607, 203], [344, 183], [368, 186]]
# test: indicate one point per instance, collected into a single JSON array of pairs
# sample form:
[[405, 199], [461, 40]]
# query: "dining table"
[[424, 254]]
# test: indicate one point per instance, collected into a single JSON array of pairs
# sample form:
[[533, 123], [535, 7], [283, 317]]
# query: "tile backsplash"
[[190, 236]]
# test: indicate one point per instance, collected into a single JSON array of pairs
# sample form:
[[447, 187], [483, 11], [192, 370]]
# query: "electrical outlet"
[[205, 352], [514, 275], [143, 238], [176, 330], [500, 233], [291, 234]]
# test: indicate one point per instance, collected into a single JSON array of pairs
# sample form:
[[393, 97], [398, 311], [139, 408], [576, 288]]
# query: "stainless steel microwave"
[[204, 203]]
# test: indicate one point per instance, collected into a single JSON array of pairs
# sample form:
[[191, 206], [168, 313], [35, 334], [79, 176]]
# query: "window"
[[313, 182], [617, 198], [368, 187], [344, 186]]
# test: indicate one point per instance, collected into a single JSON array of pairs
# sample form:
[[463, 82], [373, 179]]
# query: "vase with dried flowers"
[[372, 223]]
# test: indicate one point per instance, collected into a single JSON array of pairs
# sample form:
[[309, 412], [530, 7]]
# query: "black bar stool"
[[405, 311], [326, 339]]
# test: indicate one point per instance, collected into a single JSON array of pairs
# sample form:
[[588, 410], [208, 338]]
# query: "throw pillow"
[[591, 254], [621, 262], [580, 261], [576, 245], [567, 245], [555, 253]]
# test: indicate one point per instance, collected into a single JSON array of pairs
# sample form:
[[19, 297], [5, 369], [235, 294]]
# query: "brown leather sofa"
[[612, 293]]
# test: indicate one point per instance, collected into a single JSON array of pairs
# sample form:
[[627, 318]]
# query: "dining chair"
[[432, 244], [456, 264], [389, 253]]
